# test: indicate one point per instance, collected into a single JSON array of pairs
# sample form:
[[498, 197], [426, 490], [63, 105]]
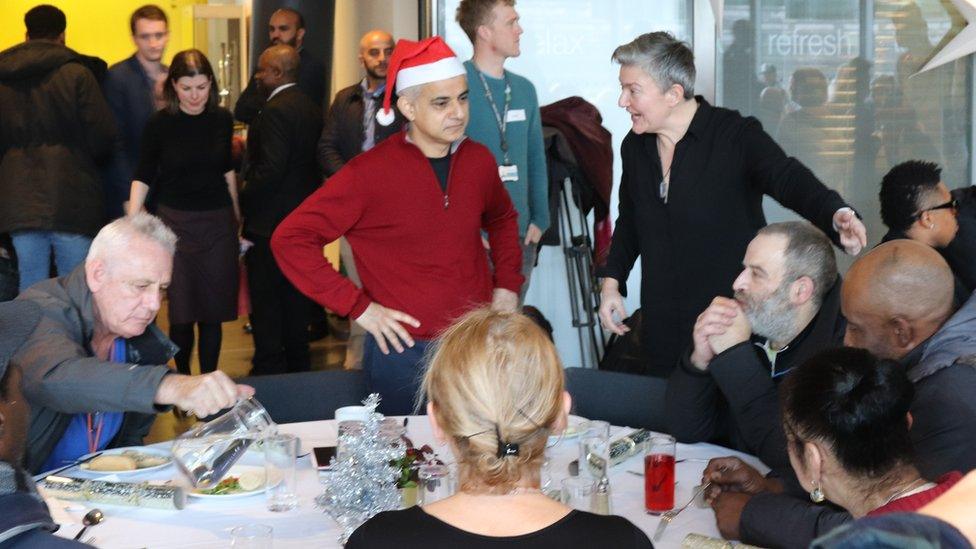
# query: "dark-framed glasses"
[[950, 205]]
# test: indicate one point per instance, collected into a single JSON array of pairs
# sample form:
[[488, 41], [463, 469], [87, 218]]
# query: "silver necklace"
[[665, 185], [904, 491]]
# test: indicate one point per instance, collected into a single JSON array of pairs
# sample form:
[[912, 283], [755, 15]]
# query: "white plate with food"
[[240, 481], [124, 461]]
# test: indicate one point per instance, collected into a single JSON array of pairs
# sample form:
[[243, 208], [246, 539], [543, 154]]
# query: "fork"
[[90, 540], [666, 518]]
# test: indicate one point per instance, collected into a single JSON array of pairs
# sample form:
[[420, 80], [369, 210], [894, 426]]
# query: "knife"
[[66, 467]]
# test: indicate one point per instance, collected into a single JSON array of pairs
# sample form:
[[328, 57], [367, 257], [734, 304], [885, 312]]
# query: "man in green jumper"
[[504, 116]]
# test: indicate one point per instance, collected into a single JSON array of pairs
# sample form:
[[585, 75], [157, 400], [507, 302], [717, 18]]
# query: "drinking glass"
[[591, 429], [659, 474], [252, 536], [578, 493], [437, 482], [280, 452], [595, 456], [207, 451]]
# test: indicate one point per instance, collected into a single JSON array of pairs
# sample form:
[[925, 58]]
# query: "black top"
[[691, 246], [413, 528], [186, 156], [342, 136], [442, 168]]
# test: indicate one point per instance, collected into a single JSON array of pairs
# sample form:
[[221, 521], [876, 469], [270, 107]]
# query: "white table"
[[207, 523]]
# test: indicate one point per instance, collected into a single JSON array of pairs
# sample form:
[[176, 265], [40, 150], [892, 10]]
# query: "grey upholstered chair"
[[621, 399]]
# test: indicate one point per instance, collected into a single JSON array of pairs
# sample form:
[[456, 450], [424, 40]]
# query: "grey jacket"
[[63, 378], [943, 432]]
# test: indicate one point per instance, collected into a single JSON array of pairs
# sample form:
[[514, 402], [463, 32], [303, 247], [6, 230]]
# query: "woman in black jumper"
[[186, 158]]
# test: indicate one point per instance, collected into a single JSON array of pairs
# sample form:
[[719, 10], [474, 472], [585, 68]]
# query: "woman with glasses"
[[496, 392], [916, 204]]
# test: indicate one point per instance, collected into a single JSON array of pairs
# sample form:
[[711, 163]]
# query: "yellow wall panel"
[[99, 27]]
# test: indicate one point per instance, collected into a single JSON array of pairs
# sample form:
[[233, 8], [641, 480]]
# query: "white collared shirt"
[[281, 87]]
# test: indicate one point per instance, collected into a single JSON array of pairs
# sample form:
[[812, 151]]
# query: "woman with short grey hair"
[[694, 177]]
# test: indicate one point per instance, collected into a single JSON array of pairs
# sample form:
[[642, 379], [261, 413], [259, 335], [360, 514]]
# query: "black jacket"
[[691, 247], [736, 401], [130, 95], [311, 80], [943, 370], [342, 136], [961, 252], [281, 170], [54, 128], [62, 378]]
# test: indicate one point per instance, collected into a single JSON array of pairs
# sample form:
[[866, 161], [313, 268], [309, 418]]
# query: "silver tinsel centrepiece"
[[362, 482]]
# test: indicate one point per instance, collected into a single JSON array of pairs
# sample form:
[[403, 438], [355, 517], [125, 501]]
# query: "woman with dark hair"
[[186, 158], [846, 418]]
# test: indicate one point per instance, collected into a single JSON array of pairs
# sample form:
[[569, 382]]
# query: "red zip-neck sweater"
[[417, 248]]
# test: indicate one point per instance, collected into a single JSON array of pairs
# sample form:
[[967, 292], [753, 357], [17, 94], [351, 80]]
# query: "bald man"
[[898, 301], [286, 27], [351, 128], [281, 173]]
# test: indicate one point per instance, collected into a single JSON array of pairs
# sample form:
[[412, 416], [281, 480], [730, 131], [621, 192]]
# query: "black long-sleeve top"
[[184, 157], [691, 247]]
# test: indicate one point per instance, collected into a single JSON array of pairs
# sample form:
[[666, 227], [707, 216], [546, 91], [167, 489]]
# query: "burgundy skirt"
[[205, 268]]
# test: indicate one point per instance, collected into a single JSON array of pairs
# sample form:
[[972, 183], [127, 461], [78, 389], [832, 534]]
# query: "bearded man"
[[786, 308]]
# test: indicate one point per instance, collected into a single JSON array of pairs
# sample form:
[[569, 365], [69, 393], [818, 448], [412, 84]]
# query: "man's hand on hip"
[[504, 301], [386, 326], [203, 395]]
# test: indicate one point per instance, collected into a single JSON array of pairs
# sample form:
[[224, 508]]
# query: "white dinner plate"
[[235, 471], [572, 431], [142, 450]]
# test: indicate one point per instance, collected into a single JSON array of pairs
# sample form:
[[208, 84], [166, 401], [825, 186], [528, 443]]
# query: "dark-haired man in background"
[[56, 128], [286, 26], [133, 89], [917, 204]]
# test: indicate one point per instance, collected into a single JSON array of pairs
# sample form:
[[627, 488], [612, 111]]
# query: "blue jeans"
[[34, 253], [396, 376]]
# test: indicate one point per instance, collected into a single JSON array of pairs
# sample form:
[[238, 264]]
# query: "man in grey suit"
[[95, 368]]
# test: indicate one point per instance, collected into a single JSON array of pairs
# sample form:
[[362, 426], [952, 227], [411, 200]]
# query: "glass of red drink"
[[659, 474]]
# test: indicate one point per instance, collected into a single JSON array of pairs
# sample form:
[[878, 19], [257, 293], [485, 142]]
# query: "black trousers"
[[279, 314]]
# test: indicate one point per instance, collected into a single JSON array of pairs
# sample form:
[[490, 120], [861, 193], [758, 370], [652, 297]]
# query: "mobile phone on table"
[[322, 456]]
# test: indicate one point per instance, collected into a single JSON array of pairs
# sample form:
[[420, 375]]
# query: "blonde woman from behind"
[[496, 392]]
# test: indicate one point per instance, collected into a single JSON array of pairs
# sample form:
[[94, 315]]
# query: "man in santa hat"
[[413, 209]]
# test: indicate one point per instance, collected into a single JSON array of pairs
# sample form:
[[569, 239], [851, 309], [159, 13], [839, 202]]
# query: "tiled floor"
[[235, 359]]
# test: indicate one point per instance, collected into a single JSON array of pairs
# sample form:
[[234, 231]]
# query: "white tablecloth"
[[207, 523]]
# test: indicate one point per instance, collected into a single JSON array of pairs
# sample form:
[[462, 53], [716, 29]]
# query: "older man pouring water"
[[95, 368]]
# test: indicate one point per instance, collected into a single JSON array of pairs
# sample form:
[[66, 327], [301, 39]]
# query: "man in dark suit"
[[286, 27], [132, 88], [281, 173]]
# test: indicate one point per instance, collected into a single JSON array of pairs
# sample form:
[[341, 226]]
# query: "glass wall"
[[834, 81]]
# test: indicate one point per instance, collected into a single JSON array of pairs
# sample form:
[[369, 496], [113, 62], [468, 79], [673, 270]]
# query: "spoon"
[[92, 518]]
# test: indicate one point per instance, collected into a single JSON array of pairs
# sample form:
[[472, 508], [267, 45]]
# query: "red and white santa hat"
[[415, 63]]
